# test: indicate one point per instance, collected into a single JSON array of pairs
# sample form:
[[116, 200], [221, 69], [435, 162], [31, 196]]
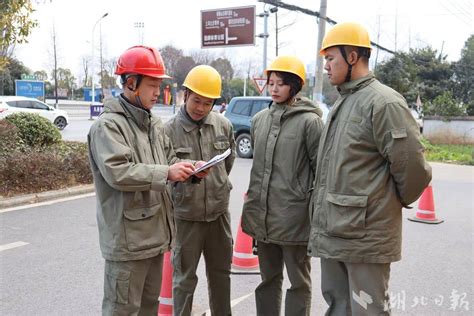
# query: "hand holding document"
[[213, 161]]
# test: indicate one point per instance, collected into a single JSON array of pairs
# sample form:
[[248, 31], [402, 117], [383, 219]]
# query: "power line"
[[316, 14]]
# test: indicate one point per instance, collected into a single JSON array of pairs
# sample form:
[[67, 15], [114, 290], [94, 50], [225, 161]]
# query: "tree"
[[444, 105], [202, 56], [235, 87], [41, 75], [171, 57], [224, 68], [433, 73], [86, 60], [12, 71], [15, 26], [184, 65], [65, 79], [420, 72], [464, 75]]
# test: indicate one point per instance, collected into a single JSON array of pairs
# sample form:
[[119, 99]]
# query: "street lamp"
[[92, 61], [264, 35]]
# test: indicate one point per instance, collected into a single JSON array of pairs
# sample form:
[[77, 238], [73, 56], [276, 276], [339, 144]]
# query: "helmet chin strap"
[[349, 71], [139, 101], [134, 89]]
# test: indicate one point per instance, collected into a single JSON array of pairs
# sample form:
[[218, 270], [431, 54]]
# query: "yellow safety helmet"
[[204, 80], [289, 64], [348, 33]]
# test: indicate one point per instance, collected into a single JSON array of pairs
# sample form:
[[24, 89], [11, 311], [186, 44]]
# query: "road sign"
[[260, 83], [29, 88], [28, 77], [228, 27]]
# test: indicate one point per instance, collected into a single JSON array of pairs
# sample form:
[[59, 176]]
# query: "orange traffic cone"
[[426, 210], [166, 293], [243, 259]]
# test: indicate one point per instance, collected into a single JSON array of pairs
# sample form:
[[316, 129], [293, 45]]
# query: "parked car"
[[240, 111], [13, 104]]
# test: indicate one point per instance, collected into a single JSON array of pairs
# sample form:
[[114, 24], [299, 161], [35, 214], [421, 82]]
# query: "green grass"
[[458, 154]]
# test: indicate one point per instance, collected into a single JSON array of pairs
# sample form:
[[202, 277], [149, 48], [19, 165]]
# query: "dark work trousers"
[[268, 294], [355, 288], [214, 241], [132, 287]]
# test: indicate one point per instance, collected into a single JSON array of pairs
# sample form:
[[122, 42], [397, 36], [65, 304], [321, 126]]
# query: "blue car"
[[240, 112]]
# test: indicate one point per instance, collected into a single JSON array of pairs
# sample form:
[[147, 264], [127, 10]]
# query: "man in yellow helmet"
[[202, 207], [370, 165]]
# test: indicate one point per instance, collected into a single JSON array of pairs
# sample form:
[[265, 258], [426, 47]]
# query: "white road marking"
[[232, 303], [17, 208], [13, 245]]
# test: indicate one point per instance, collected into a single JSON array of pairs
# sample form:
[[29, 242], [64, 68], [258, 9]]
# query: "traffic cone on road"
[[166, 294], [243, 259], [426, 210]]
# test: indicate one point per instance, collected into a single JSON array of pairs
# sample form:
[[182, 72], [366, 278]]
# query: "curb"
[[45, 196]]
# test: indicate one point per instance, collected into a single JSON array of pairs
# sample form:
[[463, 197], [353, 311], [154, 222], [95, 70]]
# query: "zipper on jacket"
[[204, 180], [164, 195]]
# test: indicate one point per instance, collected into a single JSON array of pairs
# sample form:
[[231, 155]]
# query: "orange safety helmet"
[[141, 60]]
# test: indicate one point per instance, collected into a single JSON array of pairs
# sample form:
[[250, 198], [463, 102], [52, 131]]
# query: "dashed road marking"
[[13, 245], [232, 303]]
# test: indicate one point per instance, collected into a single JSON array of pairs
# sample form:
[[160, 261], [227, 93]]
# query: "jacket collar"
[[190, 125], [141, 117], [354, 85]]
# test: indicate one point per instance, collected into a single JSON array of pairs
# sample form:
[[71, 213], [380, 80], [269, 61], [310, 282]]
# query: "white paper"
[[214, 160]]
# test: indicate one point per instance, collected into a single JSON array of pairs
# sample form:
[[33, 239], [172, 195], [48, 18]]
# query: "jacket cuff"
[[160, 178]]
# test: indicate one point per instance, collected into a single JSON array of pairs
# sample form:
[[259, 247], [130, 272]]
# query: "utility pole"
[[378, 36], [318, 76], [264, 35], [55, 67], [102, 87]]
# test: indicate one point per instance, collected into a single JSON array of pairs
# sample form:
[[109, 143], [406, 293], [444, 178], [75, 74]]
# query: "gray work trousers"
[[132, 287], [355, 288], [214, 241], [268, 294]]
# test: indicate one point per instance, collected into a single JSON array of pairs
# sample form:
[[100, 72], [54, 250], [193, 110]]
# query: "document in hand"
[[214, 160]]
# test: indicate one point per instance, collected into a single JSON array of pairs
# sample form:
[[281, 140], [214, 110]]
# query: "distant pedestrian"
[[202, 207], [370, 165], [285, 140], [132, 161]]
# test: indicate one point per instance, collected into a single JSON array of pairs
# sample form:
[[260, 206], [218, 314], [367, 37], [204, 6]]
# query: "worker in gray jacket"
[[370, 165], [132, 161], [285, 140], [202, 207]]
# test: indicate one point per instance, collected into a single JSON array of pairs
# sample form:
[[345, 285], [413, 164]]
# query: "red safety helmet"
[[141, 60]]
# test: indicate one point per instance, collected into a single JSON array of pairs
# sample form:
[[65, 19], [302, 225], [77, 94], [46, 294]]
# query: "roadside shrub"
[[10, 141], [444, 105], [35, 130], [470, 108], [44, 168]]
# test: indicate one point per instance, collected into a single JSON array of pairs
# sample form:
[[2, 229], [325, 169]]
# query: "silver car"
[[14, 104]]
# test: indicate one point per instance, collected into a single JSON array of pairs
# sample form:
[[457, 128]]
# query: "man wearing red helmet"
[[132, 161]]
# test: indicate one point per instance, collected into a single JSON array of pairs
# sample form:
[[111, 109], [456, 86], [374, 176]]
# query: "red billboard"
[[228, 27]]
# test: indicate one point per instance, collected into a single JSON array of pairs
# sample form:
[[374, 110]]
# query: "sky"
[[394, 24]]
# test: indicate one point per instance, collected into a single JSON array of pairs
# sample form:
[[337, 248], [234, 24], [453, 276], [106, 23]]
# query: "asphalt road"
[[80, 122], [50, 263]]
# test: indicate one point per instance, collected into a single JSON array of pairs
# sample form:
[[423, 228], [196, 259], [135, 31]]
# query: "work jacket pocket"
[[143, 229], [346, 215], [183, 152], [116, 285], [220, 147], [398, 150]]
